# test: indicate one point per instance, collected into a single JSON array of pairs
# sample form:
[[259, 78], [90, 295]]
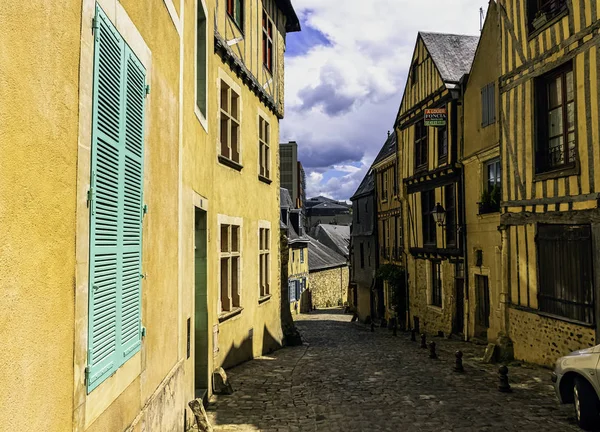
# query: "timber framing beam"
[[237, 66], [559, 217], [433, 179]]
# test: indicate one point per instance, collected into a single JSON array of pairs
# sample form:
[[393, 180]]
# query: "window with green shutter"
[[115, 202]]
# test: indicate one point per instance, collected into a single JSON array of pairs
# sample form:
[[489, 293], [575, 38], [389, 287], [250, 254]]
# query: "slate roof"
[[311, 202], [367, 185], [329, 205], [388, 148], [292, 23], [452, 54], [320, 257], [285, 199], [336, 237]]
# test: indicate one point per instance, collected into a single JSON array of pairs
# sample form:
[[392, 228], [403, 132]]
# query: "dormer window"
[[540, 12]]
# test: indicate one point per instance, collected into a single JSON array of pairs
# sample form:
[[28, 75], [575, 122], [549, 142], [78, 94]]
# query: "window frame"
[[451, 231], [384, 186], [436, 298], [488, 105], [442, 137], [264, 149], [201, 111], [542, 111], [235, 12], [267, 42], [233, 122], [549, 272], [233, 297], [264, 259], [421, 146], [488, 188], [428, 224], [532, 8]]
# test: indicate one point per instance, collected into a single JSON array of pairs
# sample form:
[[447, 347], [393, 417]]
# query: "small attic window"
[[413, 74]]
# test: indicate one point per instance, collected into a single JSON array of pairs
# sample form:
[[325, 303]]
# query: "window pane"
[[234, 106], [224, 238], [571, 116], [235, 289], [570, 89], [224, 97], [498, 173], [225, 300], [235, 238], [556, 152], [555, 124], [267, 235], [235, 148], [225, 136], [555, 92]]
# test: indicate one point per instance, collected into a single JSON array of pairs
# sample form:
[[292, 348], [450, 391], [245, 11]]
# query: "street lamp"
[[439, 214]]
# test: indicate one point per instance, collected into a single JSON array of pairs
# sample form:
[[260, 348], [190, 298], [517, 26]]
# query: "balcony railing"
[[554, 157]]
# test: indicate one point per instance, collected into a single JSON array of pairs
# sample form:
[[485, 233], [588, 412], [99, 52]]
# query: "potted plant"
[[490, 200], [539, 20]]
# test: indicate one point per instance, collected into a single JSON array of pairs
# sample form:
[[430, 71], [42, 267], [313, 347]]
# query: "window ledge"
[[224, 316], [265, 179], [231, 164], [264, 299], [564, 171], [443, 160], [437, 309], [533, 34]]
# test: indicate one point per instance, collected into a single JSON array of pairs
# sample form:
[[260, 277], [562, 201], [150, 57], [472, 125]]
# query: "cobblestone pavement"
[[345, 378]]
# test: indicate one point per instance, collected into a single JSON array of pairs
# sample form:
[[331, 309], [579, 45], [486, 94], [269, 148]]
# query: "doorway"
[[201, 374], [459, 283], [482, 306]]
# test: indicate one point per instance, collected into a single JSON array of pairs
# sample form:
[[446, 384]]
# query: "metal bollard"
[[423, 341], [458, 367], [372, 326], [395, 329], [413, 335], [432, 354], [503, 386]]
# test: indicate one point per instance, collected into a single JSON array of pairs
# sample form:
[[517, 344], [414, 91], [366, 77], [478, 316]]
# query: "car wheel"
[[586, 404]]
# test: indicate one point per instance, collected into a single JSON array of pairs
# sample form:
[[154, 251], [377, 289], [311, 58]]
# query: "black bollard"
[[395, 329], [458, 367], [423, 341], [413, 335], [372, 326], [503, 385], [432, 354]]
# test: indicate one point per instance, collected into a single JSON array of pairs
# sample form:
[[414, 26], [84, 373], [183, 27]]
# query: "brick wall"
[[328, 287], [539, 339]]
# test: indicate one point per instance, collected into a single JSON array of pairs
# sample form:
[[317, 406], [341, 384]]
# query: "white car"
[[576, 381]]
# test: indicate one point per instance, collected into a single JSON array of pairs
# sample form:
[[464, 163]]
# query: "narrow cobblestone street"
[[345, 378]]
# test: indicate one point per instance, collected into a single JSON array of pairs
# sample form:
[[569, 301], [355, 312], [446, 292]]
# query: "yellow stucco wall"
[[226, 192], [38, 160], [481, 144]]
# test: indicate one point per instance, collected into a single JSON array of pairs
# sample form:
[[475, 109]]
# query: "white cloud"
[[342, 98]]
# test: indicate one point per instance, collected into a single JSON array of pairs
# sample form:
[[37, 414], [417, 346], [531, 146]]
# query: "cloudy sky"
[[345, 75]]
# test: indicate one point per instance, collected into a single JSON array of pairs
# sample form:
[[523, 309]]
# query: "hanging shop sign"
[[436, 117]]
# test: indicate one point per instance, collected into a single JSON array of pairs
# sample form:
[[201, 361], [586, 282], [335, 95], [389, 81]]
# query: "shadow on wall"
[[244, 352]]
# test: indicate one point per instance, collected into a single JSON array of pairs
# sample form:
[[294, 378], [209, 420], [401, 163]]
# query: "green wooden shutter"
[[104, 205], [135, 95], [116, 193]]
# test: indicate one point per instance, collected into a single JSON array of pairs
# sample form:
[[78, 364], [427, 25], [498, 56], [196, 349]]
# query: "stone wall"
[[432, 319], [540, 339], [329, 287]]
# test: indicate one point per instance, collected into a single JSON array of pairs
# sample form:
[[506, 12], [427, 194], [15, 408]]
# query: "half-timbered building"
[[550, 129], [482, 167], [389, 222], [431, 178]]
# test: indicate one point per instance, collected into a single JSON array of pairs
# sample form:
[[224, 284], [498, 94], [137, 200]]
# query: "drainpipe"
[[463, 208], [504, 294]]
